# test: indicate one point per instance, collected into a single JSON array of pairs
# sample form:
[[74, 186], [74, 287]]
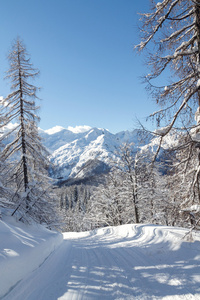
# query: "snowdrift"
[[23, 249]]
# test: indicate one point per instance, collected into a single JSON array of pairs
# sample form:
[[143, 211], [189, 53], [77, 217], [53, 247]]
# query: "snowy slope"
[[22, 250], [126, 262]]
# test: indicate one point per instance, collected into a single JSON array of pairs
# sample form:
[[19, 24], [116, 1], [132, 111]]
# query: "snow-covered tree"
[[115, 202], [25, 153], [73, 206], [110, 204], [6, 192], [183, 180], [152, 198], [128, 166]]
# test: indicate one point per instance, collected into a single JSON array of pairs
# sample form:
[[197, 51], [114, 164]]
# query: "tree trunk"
[[197, 9], [24, 159]]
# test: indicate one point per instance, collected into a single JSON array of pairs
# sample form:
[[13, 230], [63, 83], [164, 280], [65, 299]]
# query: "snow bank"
[[22, 249]]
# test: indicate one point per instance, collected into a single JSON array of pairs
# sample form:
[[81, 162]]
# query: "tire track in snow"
[[136, 257]]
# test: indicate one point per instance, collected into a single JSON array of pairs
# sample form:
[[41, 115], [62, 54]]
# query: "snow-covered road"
[[125, 262]]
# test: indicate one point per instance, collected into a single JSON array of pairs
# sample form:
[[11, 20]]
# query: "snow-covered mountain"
[[84, 151]]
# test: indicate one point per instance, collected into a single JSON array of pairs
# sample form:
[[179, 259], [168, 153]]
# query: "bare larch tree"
[[171, 32], [174, 27], [25, 153]]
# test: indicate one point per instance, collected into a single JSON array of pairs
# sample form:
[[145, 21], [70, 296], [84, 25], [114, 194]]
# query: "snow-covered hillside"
[[23, 249], [126, 262]]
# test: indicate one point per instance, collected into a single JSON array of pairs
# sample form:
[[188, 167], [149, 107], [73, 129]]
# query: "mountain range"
[[83, 152]]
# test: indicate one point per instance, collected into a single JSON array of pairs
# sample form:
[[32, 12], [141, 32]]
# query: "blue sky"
[[89, 72]]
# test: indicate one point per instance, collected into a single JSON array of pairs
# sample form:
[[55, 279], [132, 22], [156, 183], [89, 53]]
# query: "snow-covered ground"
[[125, 262], [23, 249]]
